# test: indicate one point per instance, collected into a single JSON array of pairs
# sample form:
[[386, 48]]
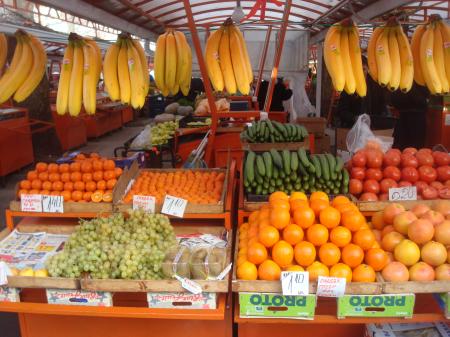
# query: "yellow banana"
[[427, 62], [89, 78], [382, 56], [76, 80], [36, 73], [415, 49], [171, 62], [226, 64], [110, 72], [439, 59], [356, 61], [333, 57], [123, 74], [371, 51], [3, 50], [182, 60], [62, 96], [136, 76], [394, 56], [243, 46], [144, 64], [160, 63], [238, 61], [186, 78], [406, 60], [175, 89], [445, 32], [212, 59], [350, 84], [98, 53]]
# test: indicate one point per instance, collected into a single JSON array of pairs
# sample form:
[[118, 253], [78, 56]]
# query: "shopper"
[[280, 94]]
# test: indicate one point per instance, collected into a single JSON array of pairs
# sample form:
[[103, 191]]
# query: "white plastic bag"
[[361, 133], [143, 140]]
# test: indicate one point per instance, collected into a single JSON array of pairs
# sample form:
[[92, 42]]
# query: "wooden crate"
[[260, 147], [375, 206]]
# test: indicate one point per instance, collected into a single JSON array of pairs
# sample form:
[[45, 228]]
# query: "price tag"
[[189, 285], [295, 283], [31, 203], [174, 206], [263, 115], [224, 272], [52, 204], [403, 193], [145, 202], [331, 286]]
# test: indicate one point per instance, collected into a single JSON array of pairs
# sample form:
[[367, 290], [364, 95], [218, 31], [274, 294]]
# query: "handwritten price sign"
[[31, 203], [294, 283], [145, 202], [403, 193], [52, 204], [174, 206], [331, 286]]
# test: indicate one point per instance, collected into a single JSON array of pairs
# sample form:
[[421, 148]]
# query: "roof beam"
[[368, 13], [85, 10]]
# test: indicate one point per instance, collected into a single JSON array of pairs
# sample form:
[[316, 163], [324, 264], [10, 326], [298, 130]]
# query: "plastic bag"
[[361, 136], [143, 140]]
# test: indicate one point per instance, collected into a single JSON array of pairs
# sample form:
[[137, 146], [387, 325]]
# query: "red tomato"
[[392, 172], [410, 150], [420, 186], [355, 186], [374, 174], [441, 158], [404, 183], [368, 197], [392, 158], [443, 173], [447, 183], [427, 173], [374, 158], [426, 150], [437, 185], [410, 174], [371, 186], [383, 197], [359, 159], [357, 173], [424, 157], [386, 184], [408, 160], [444, 193], [429, 193]]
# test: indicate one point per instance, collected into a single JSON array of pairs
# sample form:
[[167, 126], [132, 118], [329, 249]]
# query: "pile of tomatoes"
[[373, 173]]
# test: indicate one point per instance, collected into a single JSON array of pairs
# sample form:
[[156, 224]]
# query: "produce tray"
[[260, 147]]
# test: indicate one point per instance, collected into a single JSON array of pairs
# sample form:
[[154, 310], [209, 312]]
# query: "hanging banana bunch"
[[26, 69], [173, 63], [3, 51], [342, 54], [431, 51], [227, 61]]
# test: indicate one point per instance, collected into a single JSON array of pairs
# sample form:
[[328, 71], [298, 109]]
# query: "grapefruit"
[[407, 252], [434, 253], [421, 231], [421, 271], [395, 272]]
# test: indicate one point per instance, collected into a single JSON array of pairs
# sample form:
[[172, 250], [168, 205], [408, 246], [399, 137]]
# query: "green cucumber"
[[260, 165], [268, 163], [276, 158], [249, 167], [276, 172], [332, 165], [302, 169], [286, 161], [270, 126], [339, 164], [294, 161], [304, 160], [316, 162], [263, 128], [324, 165]]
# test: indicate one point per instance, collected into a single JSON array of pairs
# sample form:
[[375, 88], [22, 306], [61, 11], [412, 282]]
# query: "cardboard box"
[[438, 329], [322, 144], [314, 125], [182, 300], [341, 136], [79, 297]]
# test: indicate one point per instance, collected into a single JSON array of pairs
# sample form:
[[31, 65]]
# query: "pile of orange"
[[88, 178], [197, 187], [296, 234]]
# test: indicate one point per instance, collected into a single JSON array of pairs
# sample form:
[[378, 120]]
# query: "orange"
[[329, 254], [109, 175], [304, 253], [304, 217], [118, 172], [317, 269], [247, 271], [90, 186], [330, 217], [86, 177], [298, 196], [97, 196], [269, 271], [66, 195], [109, 164], [86, 167], [77, 195], [298, 204], [63, 168], [294, 267], [293, 234], [41, 167], [256, 253], [57, 186], [79, 186], [22, 192], [377, 220], [279, 218], [46, 185], [376, 258], [340, 236], [65, 177], [68, 186], [319, 195], [53, 168], [268, 236], [341, 270], [54, 177], [317, 234], [244, 227], [36, 184], [282, 253], [278, 195], [253, 217], [75, 176], [364, 238], [111, 183], [318, 205], [75, 167], [25, 184], [340, 200], [264, 214], [363, 273], [94, 155], [279, 204], [80, 156], [353, 220], [43, 176], [54, 193], [97, 165], [101, 185], [263, 223], [87, 196], [33, 191], [31, 175], [346, 207], [44, 192], [352, 255], [97, 176], [107, 196]]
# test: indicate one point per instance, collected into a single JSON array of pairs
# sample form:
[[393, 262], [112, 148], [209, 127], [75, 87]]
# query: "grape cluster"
[[116, 247]]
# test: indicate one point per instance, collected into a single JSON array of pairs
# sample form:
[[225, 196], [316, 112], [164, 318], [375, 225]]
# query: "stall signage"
[[174, 206], [276, 305], [401, 305], [403, 193], [31, 203], [182, 300], [295, 283], [9, 294], [79, 297], [331, 286], [145, 202], [52, 204]]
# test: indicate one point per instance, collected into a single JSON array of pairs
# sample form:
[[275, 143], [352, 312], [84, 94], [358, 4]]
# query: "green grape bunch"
[[116, 247], [162, 132]]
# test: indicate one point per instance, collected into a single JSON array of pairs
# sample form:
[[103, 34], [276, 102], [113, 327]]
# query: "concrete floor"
[[105, 146]]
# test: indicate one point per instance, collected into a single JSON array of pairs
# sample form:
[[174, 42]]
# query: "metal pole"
[[278, 50], [206, 82], [262, 61]]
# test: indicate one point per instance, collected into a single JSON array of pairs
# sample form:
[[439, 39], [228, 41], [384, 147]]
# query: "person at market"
[[280, 94]]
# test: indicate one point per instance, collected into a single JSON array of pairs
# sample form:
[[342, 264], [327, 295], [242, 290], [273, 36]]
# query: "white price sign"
[[31, 203], [174, 206], [189, 285], [294, 283], [145, 202], [331, 286], [52, 204], [403, 193]]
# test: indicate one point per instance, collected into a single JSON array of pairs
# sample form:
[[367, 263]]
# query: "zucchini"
[[249, 167], [268, 163], [276, 158], [304, 160], [331, 165], [316, 162], [339, 164], [260, 165], [324, 165]]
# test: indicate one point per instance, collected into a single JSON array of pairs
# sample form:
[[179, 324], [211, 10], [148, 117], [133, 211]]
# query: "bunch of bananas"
[[173, 63], [390, 57], [26, 69], [125, 71], [3, 51], [342, 54], [227, 60], [431, 51], [79, 75]]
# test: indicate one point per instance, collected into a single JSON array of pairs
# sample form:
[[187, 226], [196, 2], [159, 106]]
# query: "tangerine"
[[268, 236], [101, 185], [86, 167], [298, 196], [77, 195], [75, 176], [330, 217], [318, 205], [269, 271], [329, 254], [391, 240], [90, 186], [97, 165], [363, 273], [304, 253], [319, 195], [256, 253], [247, 271], [87, 196], [377, 220], [46, 185], [282, 253], [25, 184], [294, 267], [65, 177], [64, 168], [376, 258], [57, 186], [353, 220], [118, 172], [54, 177], [297, 204], [278, 195], [111, 183], [341, 270], [317, 269], [31, 175], [41, 167], [36, 184], [53, 168], [75, 167], [340, 236], [304, 217], [109, 164], [66, 195], [340, 200], [293, 234], [97, 176], [364, 238], [86, 177], [43, 176], [107, 175], [352, 255], [279, 218], [317, 234]]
